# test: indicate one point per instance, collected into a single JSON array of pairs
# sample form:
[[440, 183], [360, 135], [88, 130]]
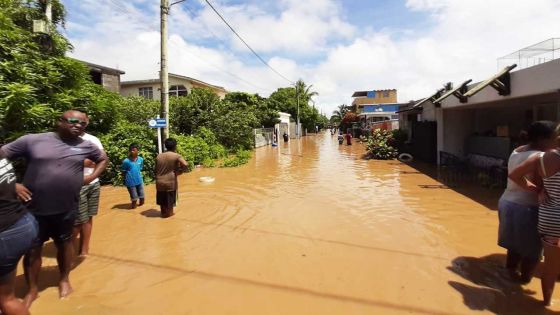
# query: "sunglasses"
[[73, 121]]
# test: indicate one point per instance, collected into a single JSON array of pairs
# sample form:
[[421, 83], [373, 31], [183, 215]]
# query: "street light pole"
[[164, 68]]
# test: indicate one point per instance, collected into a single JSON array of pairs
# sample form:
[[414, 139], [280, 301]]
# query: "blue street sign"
[[157, 123]]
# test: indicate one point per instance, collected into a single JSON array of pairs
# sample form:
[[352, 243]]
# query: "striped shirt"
[[549, 211]]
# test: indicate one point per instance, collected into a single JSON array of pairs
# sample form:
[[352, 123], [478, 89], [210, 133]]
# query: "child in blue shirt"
[[132, 172]]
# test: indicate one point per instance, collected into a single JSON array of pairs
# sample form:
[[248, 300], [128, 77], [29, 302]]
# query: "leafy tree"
[[193, 111], [234, 126], [264, 110], [137, 110], [37, 81], [285, 100]]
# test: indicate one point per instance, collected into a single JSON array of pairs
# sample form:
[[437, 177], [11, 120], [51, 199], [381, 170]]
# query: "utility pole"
[[164, 68], [298, 127]]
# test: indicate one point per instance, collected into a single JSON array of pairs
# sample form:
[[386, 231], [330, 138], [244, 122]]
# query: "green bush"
[[241, 157], [378, 145], [193, 149], [137, 110], [234, 127]]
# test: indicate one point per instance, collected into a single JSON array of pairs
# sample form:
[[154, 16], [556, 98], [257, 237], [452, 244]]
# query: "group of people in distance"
[[529, 209], [59, 197]]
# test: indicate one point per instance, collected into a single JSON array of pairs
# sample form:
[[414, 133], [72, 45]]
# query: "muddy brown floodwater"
[[305, 228]]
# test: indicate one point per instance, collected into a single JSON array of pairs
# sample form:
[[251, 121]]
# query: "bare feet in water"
[[64, 289]]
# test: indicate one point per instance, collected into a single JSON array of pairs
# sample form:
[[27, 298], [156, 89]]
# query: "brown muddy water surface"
[[306, 228]]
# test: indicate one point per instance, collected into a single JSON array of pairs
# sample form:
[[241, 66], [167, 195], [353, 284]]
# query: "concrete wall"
[[456, 126], [111, 82], [428, 112]]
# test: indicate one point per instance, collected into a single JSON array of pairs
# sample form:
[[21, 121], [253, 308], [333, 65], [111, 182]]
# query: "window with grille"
[[178, 90], [146, 92]]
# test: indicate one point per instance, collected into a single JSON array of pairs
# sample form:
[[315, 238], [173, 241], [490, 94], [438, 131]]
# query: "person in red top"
[[348, 137]]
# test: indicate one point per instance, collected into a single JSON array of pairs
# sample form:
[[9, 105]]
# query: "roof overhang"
[[359, 94], [431, 98], [501, 82], [411, 110], [99, 68], [458, 92]]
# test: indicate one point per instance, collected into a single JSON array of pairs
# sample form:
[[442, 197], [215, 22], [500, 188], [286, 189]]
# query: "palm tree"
[[341, 112], [304, 91]]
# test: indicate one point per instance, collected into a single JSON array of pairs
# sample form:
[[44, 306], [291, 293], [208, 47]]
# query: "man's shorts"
[[56, 226], [89, 202], [15, 242], [166, 199]]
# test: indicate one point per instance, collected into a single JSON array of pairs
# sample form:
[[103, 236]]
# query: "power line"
[[124, 10], [193, 16], [244, 42], [176, 45]]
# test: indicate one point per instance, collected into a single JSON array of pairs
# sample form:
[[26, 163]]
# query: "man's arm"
[[16, 148], [101, 162], [183, 166], [12, 150], [100, 167]]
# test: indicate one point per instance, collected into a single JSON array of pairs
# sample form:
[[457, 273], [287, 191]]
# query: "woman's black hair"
[[541, 130]]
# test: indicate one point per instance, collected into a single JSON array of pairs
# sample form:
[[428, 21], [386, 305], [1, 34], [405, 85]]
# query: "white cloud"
[[463, 42]]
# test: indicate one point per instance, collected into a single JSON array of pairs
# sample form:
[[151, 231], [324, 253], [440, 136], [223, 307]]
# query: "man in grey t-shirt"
[[51, 186]]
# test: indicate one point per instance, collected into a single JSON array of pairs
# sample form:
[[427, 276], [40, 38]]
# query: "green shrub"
[[137, 110], [378, 145], [241, 157]]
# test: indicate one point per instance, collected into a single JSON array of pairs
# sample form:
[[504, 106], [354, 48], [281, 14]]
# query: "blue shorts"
[[136, 192], [16, 241]]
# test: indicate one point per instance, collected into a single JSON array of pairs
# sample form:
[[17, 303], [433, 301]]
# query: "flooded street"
[[305, 228]]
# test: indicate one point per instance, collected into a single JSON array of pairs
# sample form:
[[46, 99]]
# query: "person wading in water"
[[169, 164]]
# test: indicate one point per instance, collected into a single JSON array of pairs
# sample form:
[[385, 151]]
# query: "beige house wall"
[[132, 89]]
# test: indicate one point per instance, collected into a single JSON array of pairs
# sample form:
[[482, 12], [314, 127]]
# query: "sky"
[[414, 46]]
